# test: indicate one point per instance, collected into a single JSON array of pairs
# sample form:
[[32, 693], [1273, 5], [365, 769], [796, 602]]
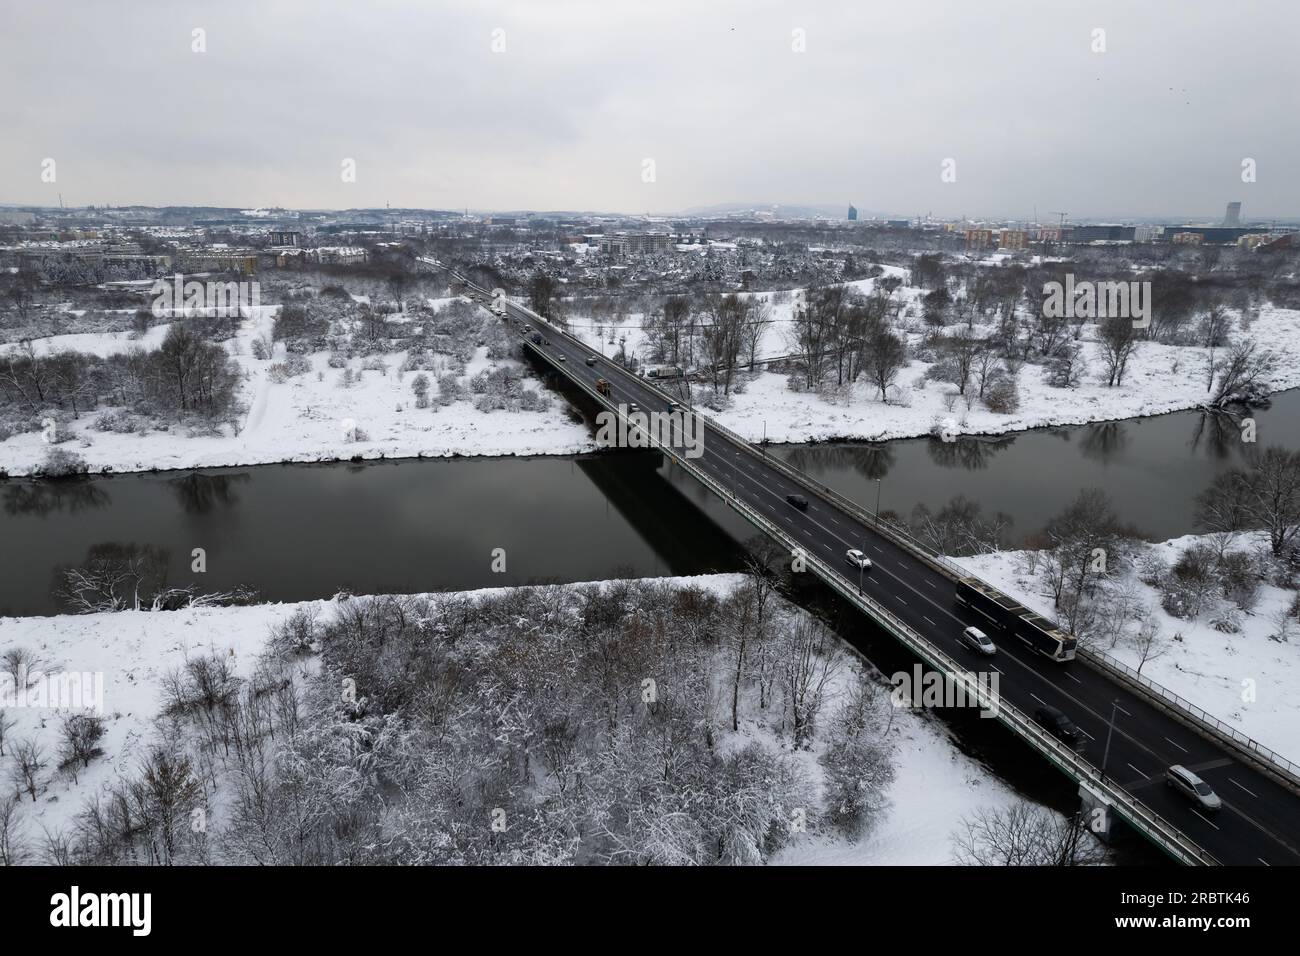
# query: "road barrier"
[[1157, 829]]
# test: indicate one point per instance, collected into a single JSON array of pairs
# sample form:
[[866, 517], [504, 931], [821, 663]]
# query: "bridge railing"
[[1285, 771], [1139, 816], [1265, 758]]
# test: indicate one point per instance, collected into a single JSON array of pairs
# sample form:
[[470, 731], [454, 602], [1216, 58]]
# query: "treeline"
[[187, 375], [544, 725]]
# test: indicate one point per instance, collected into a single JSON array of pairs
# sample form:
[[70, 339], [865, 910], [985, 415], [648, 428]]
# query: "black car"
[[1057, 724], [799, 501]]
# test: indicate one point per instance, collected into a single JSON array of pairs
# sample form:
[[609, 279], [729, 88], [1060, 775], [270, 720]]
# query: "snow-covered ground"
[[302, 418], [934, 786], [1203, 665], [1160, 378]]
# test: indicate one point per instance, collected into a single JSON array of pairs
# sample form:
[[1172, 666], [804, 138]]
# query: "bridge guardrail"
[[1287, 772], [1265, 758], [1137, 814]]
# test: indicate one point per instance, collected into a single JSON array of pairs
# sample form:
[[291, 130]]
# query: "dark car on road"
[[799, 501], [1057, 724]]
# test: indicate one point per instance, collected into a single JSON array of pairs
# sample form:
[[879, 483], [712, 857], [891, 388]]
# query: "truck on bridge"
[[1011, 617]]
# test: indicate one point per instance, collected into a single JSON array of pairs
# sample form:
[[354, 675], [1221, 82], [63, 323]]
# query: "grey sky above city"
[[713, 93]]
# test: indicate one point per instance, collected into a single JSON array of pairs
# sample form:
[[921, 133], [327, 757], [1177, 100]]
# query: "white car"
[[977, 640], [858, 559], [1192, 787]]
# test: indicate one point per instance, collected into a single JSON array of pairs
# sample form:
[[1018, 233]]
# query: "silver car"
[[978, 641], [1192, 787]]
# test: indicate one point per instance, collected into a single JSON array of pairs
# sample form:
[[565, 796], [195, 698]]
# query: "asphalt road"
[[1259, 822]]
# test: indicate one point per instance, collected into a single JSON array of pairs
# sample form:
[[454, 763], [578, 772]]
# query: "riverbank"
[[135, 651], [315, 417], [1247, 679]]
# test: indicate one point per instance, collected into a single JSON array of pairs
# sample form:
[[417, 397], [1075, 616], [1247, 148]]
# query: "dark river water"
[[304, 531]]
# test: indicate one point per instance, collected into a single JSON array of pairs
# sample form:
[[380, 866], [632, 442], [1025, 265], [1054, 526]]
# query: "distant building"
[[1106, 232], [339, 255], [853, 214], [1013, 239], [286, 238], [1233, 216], [1215, 235], [1253, 240], [979, 238], [1188, 238], [898, 223], [621, 245]]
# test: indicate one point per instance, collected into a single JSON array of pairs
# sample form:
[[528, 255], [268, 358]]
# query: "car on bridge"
[[1192, 787], [977, 640], [591, 360], [799, 501], [1057, 724], [858, 559]]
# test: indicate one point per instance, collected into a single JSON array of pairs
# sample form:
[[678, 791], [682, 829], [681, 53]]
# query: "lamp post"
[[1114, 705], [877, 501]]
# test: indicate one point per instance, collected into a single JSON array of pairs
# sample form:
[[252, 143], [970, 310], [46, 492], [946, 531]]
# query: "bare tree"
[[12, 850], [29, 761], [809, 660], [1118, 341], [1025, 834]]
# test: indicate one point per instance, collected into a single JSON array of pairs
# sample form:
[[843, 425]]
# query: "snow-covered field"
[[303, 418], [1211, 669], [1160, 378], [934, 786]]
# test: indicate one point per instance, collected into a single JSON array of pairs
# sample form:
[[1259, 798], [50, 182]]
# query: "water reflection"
[[1219, 432], [1105, 442], [200, 493], [42, 498], [972, 454]]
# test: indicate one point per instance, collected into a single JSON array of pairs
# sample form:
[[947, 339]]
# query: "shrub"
[[61, 463]]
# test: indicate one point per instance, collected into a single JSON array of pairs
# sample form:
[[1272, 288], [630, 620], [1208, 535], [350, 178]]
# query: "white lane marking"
[[1037, 698], [1183, 749], [994, 669], [1206, 819], [1138, 772], [1264, 861], [1073, 678], [928, 621], [1240, 787], [1123, 711], [899, 599], [1086, 734], [931, 583]]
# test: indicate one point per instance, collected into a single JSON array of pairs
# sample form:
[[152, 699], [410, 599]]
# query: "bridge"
[[1133, 725]]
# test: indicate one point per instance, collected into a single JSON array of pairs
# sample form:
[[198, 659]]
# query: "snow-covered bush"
[[60, 463]]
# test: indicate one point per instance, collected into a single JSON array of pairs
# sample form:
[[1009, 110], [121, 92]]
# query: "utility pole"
[[1106, 753]]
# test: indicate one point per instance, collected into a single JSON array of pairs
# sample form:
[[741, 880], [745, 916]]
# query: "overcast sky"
[[712, 91]]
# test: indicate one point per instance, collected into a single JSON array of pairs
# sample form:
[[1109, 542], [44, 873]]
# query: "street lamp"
[[877, 501], [1114, 705]]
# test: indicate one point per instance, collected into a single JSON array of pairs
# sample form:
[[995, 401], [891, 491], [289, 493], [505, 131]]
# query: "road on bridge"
[[1259, 822]]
